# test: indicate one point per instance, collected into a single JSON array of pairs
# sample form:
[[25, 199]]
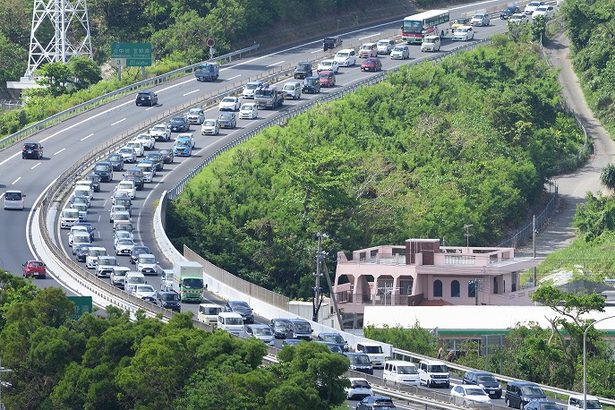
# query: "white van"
[[13, 200], [434, 373], [81, 238], [208, 313], [69, 217], [374, 352], [400, 372], [576, 402], [118, 276], [84, 191], [132, 280], [231, 322], [85, 184]]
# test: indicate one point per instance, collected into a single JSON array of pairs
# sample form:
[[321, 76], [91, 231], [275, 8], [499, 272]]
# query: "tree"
[[607, 176], [56, 76], [415, 339], [85, 71]]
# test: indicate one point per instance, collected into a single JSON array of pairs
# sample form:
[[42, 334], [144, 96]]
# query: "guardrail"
[[113, 95]]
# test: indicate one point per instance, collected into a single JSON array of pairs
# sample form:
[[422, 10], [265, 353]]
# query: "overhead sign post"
[[211, 43], [132, 55]]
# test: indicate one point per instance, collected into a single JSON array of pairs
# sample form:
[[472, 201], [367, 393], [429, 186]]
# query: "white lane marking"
[[118, 121], [232, 78], [57, 152], [105, 203], [149, 108], [99, 219], [316, 51], [1, 195], [371, 35], [86, 137], [36, 165], [192, 92], [16, 181], [274, 64]]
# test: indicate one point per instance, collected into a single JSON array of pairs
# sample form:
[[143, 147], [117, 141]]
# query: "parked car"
[[520, 393], [480, 20], [160, 132], [311, 85], [509, 11], [195, 116], [368, 50], [359, 389], [248, 111], [331, 42], [371, 64], [168, 300], [431, 43], [34, 268], [400, 52], [328, 65], [326, 78], [146, 98], [376, 403], [346, 57], [32, 150], [179, 124], [486, 381], [302, 70], [385, 46], [260, 332], [241, 307], [468, 395], [334, 337], [229, 104], [227, 119]]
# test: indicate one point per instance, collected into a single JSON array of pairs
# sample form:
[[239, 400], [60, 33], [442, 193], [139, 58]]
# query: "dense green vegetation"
[[548, 356], [114, 363], [590, 27], [434, 147]]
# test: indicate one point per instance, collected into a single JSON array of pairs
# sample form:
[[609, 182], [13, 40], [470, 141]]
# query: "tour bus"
[[432, 22]]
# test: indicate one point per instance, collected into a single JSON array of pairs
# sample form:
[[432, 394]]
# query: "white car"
[[124, 247], [144, 291], [211, 127], [69, 217], [545, 11], [532, 6], [118, 275], [346, 57], [328, 65], [160, 132], [400, 52], [463, 33], [196, 116], [359, 389], [119, 235], [146, 140], [147, 264], [518, 18], [105, 266], [76, 230], [248, 111], [229, 104], [385, 46], [431, 43], [251, 87], [127, 187], [137, 146], [368, 50], [128, 154], [480, 19], [148, 169], [91, 260], [468, 395]]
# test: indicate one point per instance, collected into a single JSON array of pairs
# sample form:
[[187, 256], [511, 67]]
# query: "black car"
[[241, 307], [331, 42], [311, 85], [167, 156], [156, 157], [360, 362], [376, 403], [104, 170], [282, 328], [147, 98], [32, 150], [82, 252], [179, 124], [168, 300], [518, 394], [303, 70], [135, 174], [509, 11], [136, 251], [334, 338], [117, 162], [94, 179], [485, 380]]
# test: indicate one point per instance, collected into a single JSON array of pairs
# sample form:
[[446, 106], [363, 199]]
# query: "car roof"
[[400, 363], [521, 383], [259, 326]]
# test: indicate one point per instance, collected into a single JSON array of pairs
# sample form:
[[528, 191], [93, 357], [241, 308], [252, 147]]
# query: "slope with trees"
[[434, 147]]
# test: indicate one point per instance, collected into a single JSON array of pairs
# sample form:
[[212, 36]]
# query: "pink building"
[[424, 273]]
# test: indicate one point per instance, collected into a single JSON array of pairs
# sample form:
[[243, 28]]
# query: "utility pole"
[[318, 294], [534, 247], [467, 234], [476, 291], [2, 370]]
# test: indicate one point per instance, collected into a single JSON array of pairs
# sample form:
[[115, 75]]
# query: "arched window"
[[472, 289], [437, 288], [455, 289]]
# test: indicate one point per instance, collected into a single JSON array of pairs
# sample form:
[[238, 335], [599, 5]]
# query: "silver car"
[[124, 247], [196, 116]]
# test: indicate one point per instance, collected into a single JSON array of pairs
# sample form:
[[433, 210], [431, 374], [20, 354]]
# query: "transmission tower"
[[60, 30]]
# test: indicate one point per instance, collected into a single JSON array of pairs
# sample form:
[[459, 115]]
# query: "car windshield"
[[288, 87], [145, 288], [126, 150], [114, 157], [366, 47], [373, 349], [125, 185], [532, 391], [412, 26], [264, 92], [107, 260], [195, 111], [438, 368], [70, 213], [302, 327], [383, 43], [212, 123], [593, 404], [401, 48], [262, 331], [169, 297], [30, 145], [147, 259], [342, 54], [360, 383], [486, 378], [406, 369], [13, 196], [36, 264], [228, 99], [119, 272], [252, 86], [332, 338], [326, 63], [159, 128], [98, 252], [135, 280], [193, 283], [534, 3], [127, 242], [101, 167], [359, 359], [234, 321], [209, 310], [304, 67], [325, 74], [475, 392], [178, 119], [145, 167], [383, 403]]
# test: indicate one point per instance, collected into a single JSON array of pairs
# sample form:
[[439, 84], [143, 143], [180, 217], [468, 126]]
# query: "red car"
[[371, 64], [327, 78], [35, 268]]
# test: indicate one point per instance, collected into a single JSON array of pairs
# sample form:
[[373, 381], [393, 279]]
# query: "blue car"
[[182, 150]]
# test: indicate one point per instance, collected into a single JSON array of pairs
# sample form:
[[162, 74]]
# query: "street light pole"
[[585, 357], [2, 370]]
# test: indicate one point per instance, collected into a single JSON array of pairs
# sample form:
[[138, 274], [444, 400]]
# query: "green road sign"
[[135, 54], [83, 304]]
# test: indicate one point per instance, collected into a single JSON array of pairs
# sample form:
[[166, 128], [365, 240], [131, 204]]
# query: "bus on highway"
[[423, 24]]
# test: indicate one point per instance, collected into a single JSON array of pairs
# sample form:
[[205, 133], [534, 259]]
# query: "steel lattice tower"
[[66, 24]]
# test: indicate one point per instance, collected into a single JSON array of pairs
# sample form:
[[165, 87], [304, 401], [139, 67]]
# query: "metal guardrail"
[[113, 95]]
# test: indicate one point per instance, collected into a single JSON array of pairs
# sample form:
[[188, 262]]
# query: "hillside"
[[434, 147]]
